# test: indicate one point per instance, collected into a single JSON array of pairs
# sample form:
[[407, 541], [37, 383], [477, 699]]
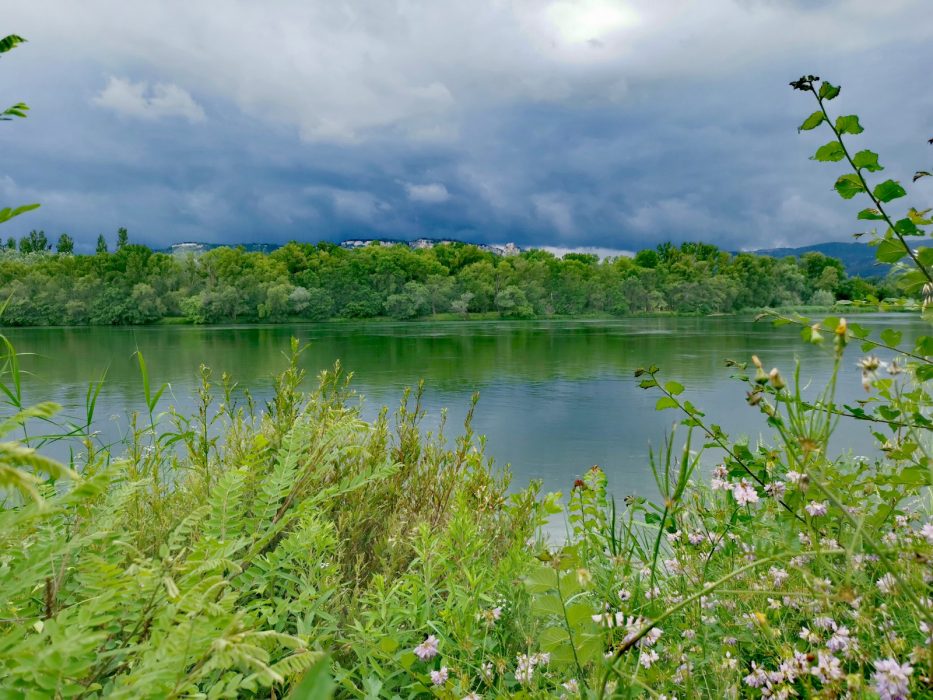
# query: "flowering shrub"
[[313, 553]]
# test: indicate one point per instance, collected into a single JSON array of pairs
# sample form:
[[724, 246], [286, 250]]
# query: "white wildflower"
[[427, 649], [886, 583], [647, 657], [892, 679], [778, 576], [744, 493], [840, 640], [439, 677], [757, 678], [816, 508], [777, 489], [827, 668]]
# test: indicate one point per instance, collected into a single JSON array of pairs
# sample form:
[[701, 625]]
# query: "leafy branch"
[[855, 183]]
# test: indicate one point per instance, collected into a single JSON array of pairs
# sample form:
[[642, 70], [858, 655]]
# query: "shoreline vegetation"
[[304, 282]]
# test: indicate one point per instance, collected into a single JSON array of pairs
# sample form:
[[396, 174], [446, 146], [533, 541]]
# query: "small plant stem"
[[563, 607], [722, 444]]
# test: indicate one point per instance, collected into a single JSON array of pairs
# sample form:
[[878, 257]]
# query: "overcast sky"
[[613, 124]]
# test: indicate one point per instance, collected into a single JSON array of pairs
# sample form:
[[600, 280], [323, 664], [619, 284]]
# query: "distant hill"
[[858, 258], [196, 248]]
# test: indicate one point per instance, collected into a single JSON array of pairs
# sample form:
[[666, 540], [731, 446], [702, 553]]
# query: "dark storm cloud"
[[591, 123]]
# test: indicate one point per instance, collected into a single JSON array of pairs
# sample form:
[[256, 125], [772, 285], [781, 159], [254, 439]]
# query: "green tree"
[[512, 303], [35, 242], [320, 305], [65, 245], [123, 238], [101, 244]]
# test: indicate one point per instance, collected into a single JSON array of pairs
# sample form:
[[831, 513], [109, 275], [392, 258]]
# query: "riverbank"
[[313, 548]]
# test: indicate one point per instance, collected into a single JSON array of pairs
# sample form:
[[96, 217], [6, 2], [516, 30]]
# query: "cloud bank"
[[570, 123]]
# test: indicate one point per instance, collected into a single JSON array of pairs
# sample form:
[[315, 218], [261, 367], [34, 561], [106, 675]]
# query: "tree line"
[[136, 285]]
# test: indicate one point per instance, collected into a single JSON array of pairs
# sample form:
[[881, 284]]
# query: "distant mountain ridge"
[[858, 258]]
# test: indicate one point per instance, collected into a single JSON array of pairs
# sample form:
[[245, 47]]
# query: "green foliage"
[[65, 245], [136, 285], [226, 567]]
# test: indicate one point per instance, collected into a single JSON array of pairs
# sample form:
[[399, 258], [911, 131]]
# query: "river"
[[556, 397]]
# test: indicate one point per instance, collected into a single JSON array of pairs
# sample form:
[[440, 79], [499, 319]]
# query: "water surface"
[[556, 396]]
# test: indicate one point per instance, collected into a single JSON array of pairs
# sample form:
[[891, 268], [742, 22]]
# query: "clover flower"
[[840, 640], [439, 677], [744, 493], [886, 583], [647, 657], [778, 576], [757, 678], [927, 532], [776, 489], [827, 669], [427, 649], [891, 679], [816, 508]]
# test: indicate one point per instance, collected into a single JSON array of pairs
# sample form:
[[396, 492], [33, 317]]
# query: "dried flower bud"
[[842, 327], [777, 381], [756, 361]]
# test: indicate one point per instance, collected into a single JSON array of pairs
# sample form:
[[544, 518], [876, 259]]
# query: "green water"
[[556, 397]]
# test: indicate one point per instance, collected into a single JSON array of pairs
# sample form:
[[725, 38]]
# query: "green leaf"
[[665, 402], [541, 579], [867, 160], [925, 256], [828, 91], [10, 42], [924, 345], [546, 604], [849, 125], [580, 614], [831, 152], [317, 683], [811, 122], [871, 215], [888, 190], [890, 251], [891, 337], [674, 388], [906, 227], [8, 213], [849, 185]]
